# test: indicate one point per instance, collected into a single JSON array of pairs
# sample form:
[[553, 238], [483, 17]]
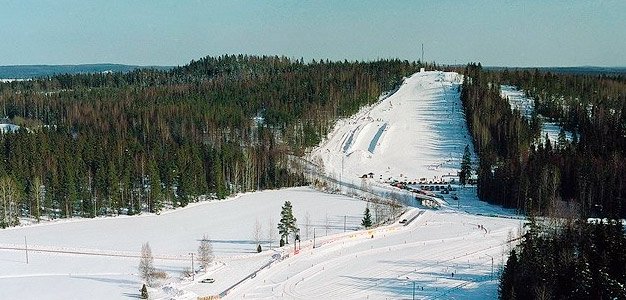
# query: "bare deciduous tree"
[[307, 225], [205, 252], [37, 198], [9, 196], [378, 211], [326, 223], [271, 231], [146, 264], [257, 232]]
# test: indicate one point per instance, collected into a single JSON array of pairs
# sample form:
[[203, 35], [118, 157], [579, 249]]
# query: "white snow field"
[[385, 263], [526, 106], [97, 258], [418, 132]]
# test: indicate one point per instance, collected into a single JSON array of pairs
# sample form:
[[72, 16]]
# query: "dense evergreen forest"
[[584, 177], [125, 143], [562, 254], [567, 260]]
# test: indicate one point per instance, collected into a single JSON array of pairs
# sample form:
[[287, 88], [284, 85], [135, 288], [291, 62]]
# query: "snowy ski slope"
[[418, 132]]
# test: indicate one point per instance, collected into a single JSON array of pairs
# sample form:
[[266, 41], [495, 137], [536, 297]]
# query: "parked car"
[[207, 280], [403, 221]]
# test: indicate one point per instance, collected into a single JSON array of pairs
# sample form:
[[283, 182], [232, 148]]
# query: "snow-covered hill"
[[418, 132]]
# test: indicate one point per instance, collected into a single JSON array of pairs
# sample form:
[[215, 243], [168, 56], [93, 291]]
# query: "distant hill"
[[588, 70], [33, 71]]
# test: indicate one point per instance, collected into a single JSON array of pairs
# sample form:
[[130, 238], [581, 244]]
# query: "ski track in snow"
[[418, 132]]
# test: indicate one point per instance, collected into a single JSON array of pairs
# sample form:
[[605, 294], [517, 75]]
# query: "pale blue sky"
[[503, 33]]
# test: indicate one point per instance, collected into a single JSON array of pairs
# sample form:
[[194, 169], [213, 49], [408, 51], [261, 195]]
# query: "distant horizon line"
[[442, 64], [310, 60]]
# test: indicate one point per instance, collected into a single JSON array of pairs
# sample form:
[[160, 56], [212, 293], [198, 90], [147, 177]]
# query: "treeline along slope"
[[101, 144]]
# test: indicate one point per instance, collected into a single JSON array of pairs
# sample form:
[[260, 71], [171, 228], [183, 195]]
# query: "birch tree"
[[146, 264], [205, 252]]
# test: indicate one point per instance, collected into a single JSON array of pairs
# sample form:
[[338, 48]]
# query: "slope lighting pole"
[[193, 272], [26, 248]]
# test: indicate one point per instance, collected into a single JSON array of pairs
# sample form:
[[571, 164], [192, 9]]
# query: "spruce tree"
[[287, 222], [466, 166], [506, 290], [367, 218]]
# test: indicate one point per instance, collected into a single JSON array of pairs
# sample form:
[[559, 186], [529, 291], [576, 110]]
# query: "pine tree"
[[155, 197], [367, 219], [287, 222], [506, 289], [466, 166]]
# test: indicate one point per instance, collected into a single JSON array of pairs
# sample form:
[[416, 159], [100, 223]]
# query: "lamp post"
[[26, 248], [193, 272]]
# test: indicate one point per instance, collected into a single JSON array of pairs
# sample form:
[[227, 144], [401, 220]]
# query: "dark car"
[[207, 280], [403, 221]]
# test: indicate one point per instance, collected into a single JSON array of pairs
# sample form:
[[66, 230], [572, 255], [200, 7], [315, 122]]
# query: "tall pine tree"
[[287, 222]]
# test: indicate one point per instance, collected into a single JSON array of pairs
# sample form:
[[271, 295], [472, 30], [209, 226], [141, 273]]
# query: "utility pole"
[[313, 237], [344, 223], [26, 248], [422, 53], [193, 271], [413, 290], [341, 174]]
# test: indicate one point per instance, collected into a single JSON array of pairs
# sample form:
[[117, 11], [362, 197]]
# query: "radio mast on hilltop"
[[422, 53]]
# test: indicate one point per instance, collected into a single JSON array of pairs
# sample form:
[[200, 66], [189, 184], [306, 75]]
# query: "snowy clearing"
[[97, 258]]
